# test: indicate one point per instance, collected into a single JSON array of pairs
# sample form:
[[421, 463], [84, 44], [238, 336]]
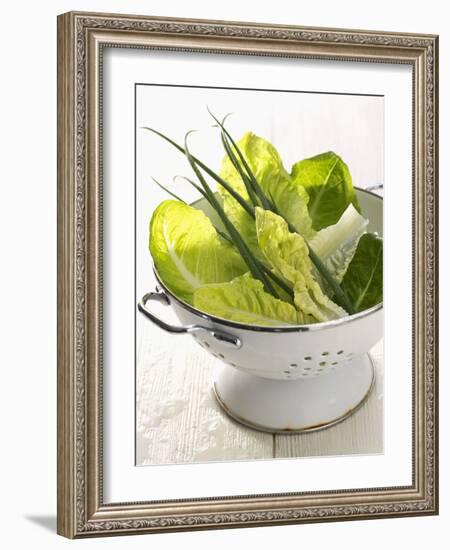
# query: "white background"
[[28, 229]]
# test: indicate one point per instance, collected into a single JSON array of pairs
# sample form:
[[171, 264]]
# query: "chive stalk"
[[199, 189], [168, 191], [245, 252], [248, 208], [254, 182], [238, 168], [278, 280]]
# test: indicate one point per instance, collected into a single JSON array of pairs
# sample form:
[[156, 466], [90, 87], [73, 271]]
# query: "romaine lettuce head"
[[187, 251], [288, 254], [327, 180], [289, 197], [244, 300]]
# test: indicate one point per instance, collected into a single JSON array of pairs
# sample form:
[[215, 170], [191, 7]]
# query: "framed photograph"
[[247, 274]]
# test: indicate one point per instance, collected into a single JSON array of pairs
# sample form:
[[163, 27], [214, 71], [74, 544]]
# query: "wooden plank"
[[178, 419], [361, 433]]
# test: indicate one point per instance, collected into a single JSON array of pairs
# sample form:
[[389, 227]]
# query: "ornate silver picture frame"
[[82, 41]]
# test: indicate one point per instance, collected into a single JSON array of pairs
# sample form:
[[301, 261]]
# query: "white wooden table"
[[179, 421]]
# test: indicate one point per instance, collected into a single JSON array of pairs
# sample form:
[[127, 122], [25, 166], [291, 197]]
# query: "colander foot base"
[[294, 406]]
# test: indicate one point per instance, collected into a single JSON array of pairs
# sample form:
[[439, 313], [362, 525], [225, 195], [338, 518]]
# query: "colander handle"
[[376, 187], [223, 337]]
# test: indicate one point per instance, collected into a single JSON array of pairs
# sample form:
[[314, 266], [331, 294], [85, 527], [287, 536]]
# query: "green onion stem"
[[257, 188], [276, 279], [168, 191], [199, 189], [224, 235], [249, 209], [238, 168], [245, 252], [268, 271]]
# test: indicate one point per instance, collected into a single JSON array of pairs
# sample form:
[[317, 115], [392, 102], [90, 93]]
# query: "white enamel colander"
[[285, 379]]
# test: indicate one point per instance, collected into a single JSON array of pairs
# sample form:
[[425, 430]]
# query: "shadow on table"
[[46, 522]]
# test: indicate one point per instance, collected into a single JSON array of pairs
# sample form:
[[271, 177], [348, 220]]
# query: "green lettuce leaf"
[[187, 251], [363, 280], [288, 254], [336, 244], [244, 300], [289, 197], [328, 182]]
